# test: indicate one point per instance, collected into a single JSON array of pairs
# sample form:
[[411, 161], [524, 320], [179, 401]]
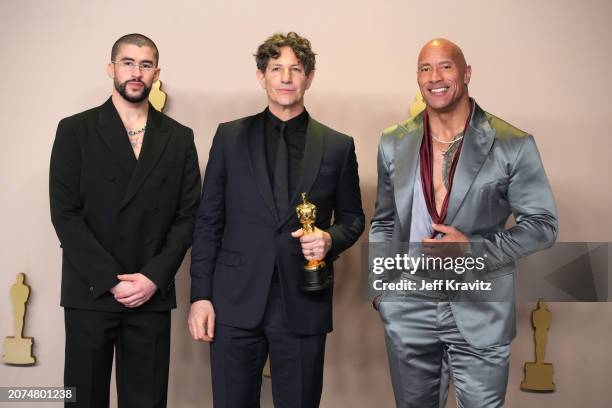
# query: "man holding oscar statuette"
[[261, 284]]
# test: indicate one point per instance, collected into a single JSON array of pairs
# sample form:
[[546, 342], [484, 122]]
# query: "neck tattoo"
[[136, 132], [136, 138]]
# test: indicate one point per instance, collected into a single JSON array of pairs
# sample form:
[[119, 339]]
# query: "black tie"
[[281, 174]]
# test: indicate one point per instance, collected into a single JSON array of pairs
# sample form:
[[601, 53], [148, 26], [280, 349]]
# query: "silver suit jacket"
[[499, 173]]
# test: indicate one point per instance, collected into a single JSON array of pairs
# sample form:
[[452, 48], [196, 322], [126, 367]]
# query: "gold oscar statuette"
[[539, 375], [18, 349], [314, 275]]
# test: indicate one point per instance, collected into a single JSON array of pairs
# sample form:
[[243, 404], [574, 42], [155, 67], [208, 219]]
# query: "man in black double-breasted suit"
[[124, 188], [249, 249]]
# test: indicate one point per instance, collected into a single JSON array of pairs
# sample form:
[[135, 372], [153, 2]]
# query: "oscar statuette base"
[[18, 351], [314, 277], [538, 377]]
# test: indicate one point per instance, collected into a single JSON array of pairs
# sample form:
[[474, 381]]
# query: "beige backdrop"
[[542, 65]]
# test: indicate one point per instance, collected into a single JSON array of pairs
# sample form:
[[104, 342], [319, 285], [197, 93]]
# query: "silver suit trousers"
[[424, 346]]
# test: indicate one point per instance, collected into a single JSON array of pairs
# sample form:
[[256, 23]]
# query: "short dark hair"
[[134, 39], [271, 49]]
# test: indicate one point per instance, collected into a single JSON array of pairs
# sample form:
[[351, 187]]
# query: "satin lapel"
[[155, 141], [256, 141], [313, 154], [476, 145], [406, 157], [113, 134]]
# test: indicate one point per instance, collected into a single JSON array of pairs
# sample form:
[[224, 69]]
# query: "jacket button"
[[156, 210], [91, 288]]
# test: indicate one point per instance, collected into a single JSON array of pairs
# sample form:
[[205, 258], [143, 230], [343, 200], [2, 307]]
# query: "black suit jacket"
[[114, 214], [239, 238]]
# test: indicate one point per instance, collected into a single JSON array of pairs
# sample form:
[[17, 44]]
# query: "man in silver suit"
[[454, 174]]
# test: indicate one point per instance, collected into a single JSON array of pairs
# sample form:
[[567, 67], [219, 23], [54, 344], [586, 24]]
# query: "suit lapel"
[[256, 141], [313, 154], [113, 134], [155, 141], [476, 145], [405, 161]]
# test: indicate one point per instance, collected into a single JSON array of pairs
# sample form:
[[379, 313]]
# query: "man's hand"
[[201, 320], [451, 234], [376, 301], [133, 290], [452, 243], [315, 245]]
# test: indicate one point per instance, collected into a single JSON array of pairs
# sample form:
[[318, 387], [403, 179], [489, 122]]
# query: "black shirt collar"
[[298, 123]]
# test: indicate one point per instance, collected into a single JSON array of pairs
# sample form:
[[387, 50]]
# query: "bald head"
[[443, 76], [446, 46]]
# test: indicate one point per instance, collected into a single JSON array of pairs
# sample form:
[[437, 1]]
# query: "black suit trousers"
[[238, 357], [142, 344]]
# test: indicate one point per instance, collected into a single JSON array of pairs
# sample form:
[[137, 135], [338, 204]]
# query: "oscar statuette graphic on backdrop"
[[18, 349], [538, 374]]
